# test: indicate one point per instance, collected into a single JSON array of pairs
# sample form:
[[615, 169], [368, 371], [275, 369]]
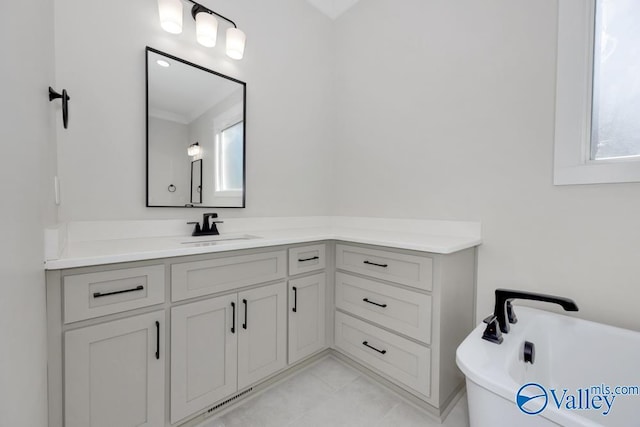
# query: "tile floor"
[[330, 393]]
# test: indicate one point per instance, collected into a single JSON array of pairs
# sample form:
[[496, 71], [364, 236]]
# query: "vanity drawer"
[[398, 358], [408, 270], [404, 311], [97, 294], [194, 279], [306, 258]]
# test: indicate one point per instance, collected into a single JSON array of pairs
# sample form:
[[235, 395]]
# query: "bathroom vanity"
[[165, 341]]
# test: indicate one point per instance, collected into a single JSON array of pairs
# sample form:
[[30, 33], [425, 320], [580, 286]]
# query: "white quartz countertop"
[[82, 246]]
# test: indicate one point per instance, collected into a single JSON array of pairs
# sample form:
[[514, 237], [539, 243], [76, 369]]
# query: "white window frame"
[[574, 94]]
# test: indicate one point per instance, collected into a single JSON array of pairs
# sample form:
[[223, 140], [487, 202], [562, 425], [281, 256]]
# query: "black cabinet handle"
[[233, 317], [377, 265], [308, 259], [246, 309], [366, 344], [157, 340], [295, 299], [374, 303], [100, 294]]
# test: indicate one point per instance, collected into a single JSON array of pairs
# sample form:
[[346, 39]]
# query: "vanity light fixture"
[[206, 28], [163, 63], [194, 150], [170, 12], [235, 43]]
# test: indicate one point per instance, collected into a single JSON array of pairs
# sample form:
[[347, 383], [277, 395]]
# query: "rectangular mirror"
[[195, 135]]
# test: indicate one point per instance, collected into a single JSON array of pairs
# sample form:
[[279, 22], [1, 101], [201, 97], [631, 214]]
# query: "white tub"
[[571, 354]]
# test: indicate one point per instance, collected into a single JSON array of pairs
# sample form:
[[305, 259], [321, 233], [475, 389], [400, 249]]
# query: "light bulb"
[[235, 43], [170, 12], [194, 150], [206, 29]]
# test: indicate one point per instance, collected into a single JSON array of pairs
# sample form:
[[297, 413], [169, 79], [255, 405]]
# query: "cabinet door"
[[203, 354], [262, 339], [114, 373], [306, 316]]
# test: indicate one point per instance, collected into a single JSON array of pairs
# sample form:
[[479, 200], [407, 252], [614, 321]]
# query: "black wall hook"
[[65, 104]]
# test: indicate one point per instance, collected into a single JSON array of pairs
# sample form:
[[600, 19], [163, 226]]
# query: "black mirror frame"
[[244, 125]]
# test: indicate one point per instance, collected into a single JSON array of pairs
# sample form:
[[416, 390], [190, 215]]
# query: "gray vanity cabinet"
[[115, 373], [235, 322], [227, 334], [225, 344], [306, 316], [105, 368], [403, 314], [204, 354], [262, 338]]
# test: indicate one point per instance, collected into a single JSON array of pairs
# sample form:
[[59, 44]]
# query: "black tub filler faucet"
[[503, 313]]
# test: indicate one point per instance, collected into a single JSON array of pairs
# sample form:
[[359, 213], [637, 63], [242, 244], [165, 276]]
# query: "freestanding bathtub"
[[584, 374]]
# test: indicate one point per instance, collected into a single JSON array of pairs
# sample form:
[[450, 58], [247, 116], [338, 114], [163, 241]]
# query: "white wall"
[[27, 166], [100, 59], [421, 109], [445, 110]]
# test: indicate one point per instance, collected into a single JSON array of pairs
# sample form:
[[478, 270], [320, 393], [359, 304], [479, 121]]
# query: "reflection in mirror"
[[196, 182], [195, 135]]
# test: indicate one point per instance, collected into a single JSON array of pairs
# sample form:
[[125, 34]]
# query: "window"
[[230, 156], [615, 123], [598, 92], [228, 133]]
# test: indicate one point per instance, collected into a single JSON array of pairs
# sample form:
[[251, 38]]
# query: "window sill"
[[601, 173]]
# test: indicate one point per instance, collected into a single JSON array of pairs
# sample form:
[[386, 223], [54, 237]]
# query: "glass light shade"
[[206, 29], [170, 12], [194, 150], [235, 43]]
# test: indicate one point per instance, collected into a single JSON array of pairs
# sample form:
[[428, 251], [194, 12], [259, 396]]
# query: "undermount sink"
[[214, 240]]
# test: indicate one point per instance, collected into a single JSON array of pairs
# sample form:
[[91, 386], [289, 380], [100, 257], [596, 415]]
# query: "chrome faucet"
[[209, 227], [503, 313]]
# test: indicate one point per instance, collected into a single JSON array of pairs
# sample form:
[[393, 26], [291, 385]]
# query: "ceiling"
[[333, 8], [182, 92]]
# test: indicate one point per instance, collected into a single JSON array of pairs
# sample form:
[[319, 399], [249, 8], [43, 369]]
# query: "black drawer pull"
[[366, 344], [377, 265], [106, 294], [295, 299], [246, 309], [308, 259], [374, 303], [233, 318], [157, 340]]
